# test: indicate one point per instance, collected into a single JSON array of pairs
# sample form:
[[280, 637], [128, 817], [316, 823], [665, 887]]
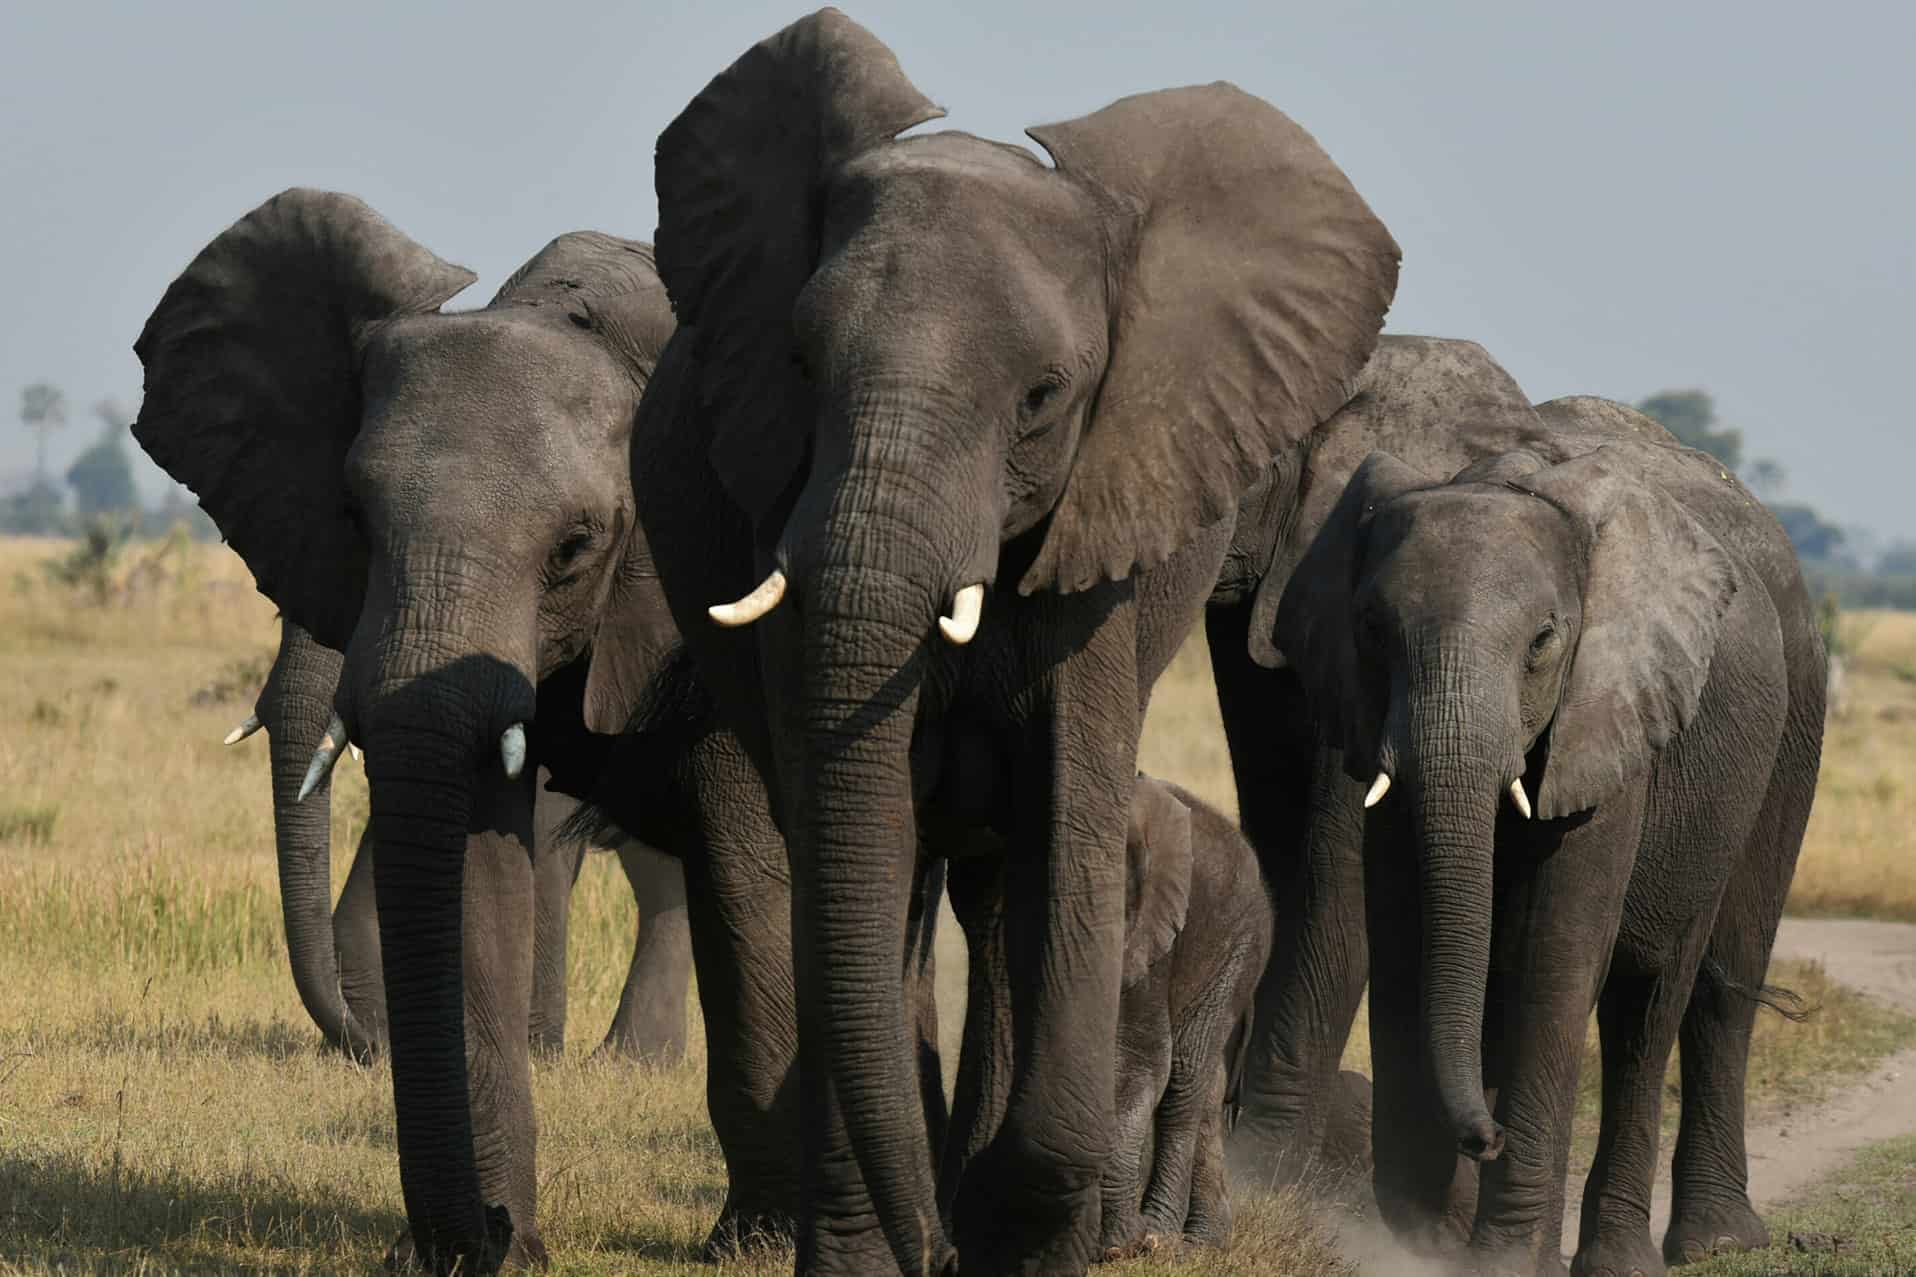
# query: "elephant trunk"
[[873, 588], [297, 704], [431, 711], [1453, 779]]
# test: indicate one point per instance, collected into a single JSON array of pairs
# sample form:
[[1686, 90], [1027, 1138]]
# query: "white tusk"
[[244, 730], [323, 758], [1378, 788], [512, 750], [359, 755], [1521, 799], [962, 625], [752, 606]]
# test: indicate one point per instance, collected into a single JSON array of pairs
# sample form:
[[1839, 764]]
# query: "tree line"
[[1833, 560], [100, 479], [101, 482]]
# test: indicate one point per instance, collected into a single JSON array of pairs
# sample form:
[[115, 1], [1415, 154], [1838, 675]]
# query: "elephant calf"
[[1197, 932]]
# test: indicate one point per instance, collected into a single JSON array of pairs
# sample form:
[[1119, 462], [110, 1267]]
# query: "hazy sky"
[[1613, 198]]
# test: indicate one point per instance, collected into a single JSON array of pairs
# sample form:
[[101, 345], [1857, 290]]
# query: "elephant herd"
[[833, 548]]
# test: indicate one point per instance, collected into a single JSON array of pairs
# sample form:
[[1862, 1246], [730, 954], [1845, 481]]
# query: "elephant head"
[[932, 360], [445, 499], [1526, 636]]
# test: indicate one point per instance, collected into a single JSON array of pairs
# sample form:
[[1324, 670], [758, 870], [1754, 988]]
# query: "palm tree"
[[43, 408]]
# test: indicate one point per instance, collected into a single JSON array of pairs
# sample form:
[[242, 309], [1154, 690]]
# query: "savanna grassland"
[[163, 1101]]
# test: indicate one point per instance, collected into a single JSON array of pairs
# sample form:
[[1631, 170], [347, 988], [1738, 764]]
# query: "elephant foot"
[[1701, 1231], [742, 1231], [1618, 1257], [642, 1049], [507, 1247], [1006, 1227]]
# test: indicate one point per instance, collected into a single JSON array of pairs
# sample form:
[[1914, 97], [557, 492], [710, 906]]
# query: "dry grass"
[[163, 1105]]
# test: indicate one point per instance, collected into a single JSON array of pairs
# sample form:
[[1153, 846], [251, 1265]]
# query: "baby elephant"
[[1197, 930]]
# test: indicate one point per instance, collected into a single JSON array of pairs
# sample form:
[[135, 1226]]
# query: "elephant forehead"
[[1440, 550], [953, 187], [482, 402]]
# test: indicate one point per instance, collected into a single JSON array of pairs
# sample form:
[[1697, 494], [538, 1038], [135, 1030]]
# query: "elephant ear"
[[606, 286], [740, 176], [1314, 625], [252, 386], [1250, 284], [1655, 590], [1158, 865]]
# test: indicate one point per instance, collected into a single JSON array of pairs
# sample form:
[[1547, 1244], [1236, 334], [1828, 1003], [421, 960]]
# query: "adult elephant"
[[967, 432], [334, 951], [1586, 679], [444, 498]]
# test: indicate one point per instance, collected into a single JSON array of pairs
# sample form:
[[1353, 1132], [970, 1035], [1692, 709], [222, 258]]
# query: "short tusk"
[[512, 750], [359, 755], [245, 729], [323, 758], [1521, 799], [962, 625], [752, 606], [1378, 788]]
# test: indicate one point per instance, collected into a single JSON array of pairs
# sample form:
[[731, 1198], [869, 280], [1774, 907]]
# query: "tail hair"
[[1786, 1002]]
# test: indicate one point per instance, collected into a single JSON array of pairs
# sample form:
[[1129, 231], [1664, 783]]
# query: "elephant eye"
[[1541, 644], [1038, 396], [574, 545]]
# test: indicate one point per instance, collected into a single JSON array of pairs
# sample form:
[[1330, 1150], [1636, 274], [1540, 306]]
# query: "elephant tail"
[[1237, 1056], [1787, 1003]]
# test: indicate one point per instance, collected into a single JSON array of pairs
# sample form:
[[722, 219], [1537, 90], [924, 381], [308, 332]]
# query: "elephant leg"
[[739, 905], [356, 939], [1559, 904], [1209, 1221], [1031, 1202], [555, 869], [1637, 1017], [1144, 1071], [1710, 1207], [1426, 1192], [650, 1022], [983, 1088], [1305, 818], [1193, 1095]]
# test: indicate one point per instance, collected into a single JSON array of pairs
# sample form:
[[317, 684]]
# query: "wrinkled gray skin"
[[909, 367], [334, 951], [445, 499], [1615, 623], [1197, 932], [1440, 404]]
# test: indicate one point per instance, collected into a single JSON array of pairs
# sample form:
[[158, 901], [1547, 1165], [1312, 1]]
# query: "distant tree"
[[1766, 477], [102, 476], [1814, 539], [43, 408], [1898, 560], [1690, 415], [34, 512]]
